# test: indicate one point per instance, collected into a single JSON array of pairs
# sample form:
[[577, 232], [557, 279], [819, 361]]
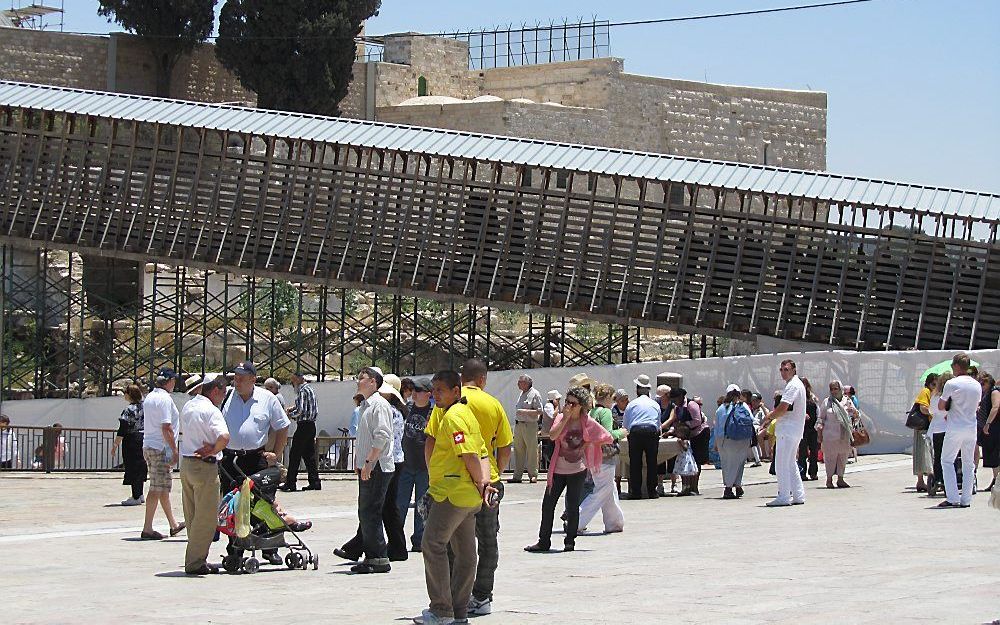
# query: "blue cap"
[[246, 367], [167, 374]]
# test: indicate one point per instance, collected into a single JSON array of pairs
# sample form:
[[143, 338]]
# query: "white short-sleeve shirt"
[[158, 409], [794, 421], [965, 393], [201, 423], [249, 421]]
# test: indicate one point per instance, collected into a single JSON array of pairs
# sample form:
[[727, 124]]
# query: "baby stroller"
[[267, 528]]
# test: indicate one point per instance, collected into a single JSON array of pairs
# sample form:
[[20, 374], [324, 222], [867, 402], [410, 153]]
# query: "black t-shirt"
[[414, 437]]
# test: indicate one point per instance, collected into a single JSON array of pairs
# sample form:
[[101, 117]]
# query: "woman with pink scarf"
[[577, 439]]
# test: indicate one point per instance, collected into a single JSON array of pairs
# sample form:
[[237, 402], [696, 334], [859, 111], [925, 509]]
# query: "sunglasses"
[[785, 368], [572, 403]]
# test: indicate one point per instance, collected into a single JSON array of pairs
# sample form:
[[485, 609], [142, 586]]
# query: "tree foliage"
[[297, 55], [171, 28]]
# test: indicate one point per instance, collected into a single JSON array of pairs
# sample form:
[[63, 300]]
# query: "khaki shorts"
[[159, 470]]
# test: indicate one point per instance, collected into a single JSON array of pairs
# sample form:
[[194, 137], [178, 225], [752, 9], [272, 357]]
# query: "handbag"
[[610, 450], [916, 420], [859, 434]]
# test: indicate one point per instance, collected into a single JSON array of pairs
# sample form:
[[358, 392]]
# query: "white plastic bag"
[[685, 465]]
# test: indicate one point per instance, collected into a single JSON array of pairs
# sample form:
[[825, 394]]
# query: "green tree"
[[170, 27], [297, 55]]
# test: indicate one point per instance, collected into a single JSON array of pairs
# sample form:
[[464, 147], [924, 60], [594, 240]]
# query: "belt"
[[243, 452], [645, 427], [208, 459]]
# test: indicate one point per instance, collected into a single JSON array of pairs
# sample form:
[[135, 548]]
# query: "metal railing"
[[46, 449]]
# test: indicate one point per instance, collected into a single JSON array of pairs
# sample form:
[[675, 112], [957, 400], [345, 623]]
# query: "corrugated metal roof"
[[441, 142]]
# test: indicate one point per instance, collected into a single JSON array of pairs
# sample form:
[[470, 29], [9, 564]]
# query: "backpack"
[[739, 424]]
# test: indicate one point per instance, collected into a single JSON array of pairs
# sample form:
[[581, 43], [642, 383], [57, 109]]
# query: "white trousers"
[[787, 469], [963, 441], [605, 499]]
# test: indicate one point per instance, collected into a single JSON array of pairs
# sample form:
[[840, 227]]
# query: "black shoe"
[[365, 568], [206, 569], [739, 492], [416, 549], [313, 487], [513, 481], [537, 548], [288, 488], [399, 557], [273, 558], [340, 553], [569, 547], [728, 494]]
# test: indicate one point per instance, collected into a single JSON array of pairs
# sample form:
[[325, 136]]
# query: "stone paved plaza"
[[875, 553]]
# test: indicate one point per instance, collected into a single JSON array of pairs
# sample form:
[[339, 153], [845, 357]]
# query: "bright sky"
[[913, 85]]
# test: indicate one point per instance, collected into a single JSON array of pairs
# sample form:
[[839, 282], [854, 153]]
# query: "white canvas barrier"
[[887, 383]]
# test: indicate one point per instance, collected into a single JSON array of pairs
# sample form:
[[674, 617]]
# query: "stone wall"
[[53, 58]]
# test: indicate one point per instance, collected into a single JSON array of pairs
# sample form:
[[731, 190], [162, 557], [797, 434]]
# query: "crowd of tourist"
[[440, 443]]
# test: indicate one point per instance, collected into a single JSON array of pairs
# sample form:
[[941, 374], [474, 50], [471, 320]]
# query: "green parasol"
[[940, 368]]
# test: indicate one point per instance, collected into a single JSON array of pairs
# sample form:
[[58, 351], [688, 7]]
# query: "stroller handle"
[[229, 476]]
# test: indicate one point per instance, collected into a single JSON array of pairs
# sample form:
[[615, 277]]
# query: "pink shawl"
[[594, 435]]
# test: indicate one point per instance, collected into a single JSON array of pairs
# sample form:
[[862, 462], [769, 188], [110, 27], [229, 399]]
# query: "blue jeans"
[[411, 480]]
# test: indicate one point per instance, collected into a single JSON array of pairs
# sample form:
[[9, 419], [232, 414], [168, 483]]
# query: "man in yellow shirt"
[[459, 473]]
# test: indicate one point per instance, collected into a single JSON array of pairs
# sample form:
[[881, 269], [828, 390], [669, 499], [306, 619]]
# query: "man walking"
[[960, 398], [373, 462], [791, 415], [528, 410], [642, 422], [159, 449], [459, 483], [304, 412], [494, 427], [205, 436], [413, 472], [250, 412]]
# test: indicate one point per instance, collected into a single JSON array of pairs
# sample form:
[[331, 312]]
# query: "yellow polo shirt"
[[493, 423], [455, 432]]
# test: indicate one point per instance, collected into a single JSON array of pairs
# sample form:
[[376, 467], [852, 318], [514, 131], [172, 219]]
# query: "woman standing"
[[936, 431], [833, 429], [577, 447], [732, 451], [687, 422], [605, 495], [129, 438], [990, 433], [809, 446], [923, 464]]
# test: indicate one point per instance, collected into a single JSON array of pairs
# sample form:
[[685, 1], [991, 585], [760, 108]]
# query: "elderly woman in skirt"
[[833, 426], [732, 452]]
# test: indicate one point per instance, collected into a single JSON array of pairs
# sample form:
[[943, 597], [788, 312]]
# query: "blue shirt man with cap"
[[250, 412], [642, 421]]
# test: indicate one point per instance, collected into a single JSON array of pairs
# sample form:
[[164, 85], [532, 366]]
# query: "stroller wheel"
[[315, 561], [251, 565], [231, 564], [294, 560]]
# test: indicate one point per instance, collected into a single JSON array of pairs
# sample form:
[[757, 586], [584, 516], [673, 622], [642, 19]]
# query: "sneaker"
[[480, 607], [777, 503], [429, 618], [142, 499], [131, 502], [798, 502]]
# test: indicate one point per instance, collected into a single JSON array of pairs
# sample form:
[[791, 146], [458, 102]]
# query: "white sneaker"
[[142, 499], [777, 503], [132, 502], [429, 618], [479, 607]]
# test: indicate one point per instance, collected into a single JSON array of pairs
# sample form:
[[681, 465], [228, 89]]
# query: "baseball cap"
[[246, 367], [167, 374], [422, 384], [732, 387]]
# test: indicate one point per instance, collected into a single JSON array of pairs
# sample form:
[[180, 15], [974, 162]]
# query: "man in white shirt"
[[159, 449], [8, 445], [960, 397], [791, 415], [205, 436], [528, 409]]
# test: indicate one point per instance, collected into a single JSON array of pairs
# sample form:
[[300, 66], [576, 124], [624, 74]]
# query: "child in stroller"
[[268, 526]]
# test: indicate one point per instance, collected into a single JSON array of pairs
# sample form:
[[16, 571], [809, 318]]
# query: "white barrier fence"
[[887, 383]]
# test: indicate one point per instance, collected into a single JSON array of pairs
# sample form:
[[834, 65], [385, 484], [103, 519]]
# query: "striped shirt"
[[305, 404]]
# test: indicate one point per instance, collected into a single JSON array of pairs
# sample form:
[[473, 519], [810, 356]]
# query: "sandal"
[[177, 530]]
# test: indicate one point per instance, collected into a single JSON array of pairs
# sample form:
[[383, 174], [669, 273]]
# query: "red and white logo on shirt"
[[458, 437]]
